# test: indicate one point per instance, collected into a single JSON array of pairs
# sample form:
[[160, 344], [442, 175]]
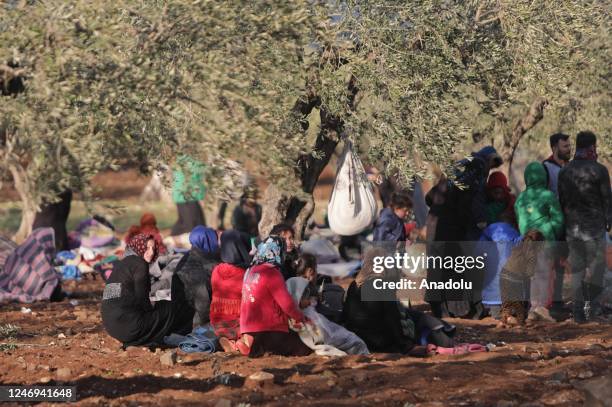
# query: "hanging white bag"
[[352, 207]]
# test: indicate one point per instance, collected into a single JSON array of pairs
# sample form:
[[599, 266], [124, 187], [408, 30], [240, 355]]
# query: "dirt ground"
[[540, 365]]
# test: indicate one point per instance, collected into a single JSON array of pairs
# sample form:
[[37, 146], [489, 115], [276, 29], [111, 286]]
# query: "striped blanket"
[[28, 274]]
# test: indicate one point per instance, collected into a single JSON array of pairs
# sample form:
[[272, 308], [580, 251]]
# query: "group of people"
[[565, 210], [258, 300], [268, 298]]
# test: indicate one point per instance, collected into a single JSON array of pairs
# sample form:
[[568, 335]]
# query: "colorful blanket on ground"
[[28, 274], [93, 233]]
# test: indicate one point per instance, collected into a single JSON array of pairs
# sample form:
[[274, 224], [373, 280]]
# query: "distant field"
[[124, 213]]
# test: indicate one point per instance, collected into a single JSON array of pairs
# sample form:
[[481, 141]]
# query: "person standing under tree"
[[561, 154], [187, 192], [584, 192], [537, 208]]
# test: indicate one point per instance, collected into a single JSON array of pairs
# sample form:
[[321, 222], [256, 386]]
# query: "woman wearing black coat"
[[127, 313]]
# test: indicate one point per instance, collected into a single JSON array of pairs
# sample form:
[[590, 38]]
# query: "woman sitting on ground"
[[148, 226], [195, 271], [267, 306], [127, 313], [226, 284]]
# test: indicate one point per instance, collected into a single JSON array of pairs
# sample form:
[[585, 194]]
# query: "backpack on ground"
[[331, 301]]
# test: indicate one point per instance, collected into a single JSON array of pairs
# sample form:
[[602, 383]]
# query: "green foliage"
[[97, 90], [8, 330], [108, 82]]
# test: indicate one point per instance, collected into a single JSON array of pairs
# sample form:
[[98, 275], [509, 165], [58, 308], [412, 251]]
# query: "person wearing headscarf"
[[500, 200], [148, 226], [127, 313], [226, 283], [195, 271], [267, 306], [459, 203]]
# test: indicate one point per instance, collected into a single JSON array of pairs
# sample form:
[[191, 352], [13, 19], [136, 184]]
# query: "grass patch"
[[122, 214], [8, 331]]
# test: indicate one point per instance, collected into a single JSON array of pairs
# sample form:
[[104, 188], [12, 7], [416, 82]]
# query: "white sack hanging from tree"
[[352, 207]]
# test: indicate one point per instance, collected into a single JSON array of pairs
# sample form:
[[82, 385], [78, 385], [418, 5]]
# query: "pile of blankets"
[[28, 273]]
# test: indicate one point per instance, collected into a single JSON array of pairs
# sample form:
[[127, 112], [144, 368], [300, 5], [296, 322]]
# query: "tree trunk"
[[28, 209], [533, 116], [280, 206], [290, 208]]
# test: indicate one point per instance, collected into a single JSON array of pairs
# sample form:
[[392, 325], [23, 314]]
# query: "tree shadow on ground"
[[112, 388]]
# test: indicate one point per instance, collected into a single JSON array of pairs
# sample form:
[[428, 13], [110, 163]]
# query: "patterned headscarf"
[[272, 251], [138, 245]]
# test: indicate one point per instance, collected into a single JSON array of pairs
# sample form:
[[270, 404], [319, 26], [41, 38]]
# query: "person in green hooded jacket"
[[187, 190], [537, 208]]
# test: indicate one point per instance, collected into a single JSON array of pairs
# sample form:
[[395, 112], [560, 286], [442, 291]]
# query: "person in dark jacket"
[[584, 192], [127, 313], [387, 326], [247, 214], [195, 271], [54, 215], [460, 205], [390, 224]]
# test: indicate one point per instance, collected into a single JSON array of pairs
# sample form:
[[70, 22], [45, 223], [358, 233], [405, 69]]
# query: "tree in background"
[[393, 76], [281, 84], [85, 86]]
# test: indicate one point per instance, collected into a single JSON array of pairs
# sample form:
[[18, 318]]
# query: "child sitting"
[[322, 335], [330, 297], [390, 225]]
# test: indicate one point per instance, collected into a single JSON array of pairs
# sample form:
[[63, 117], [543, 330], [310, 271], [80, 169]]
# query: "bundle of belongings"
[[202, 339], [161, 272], [91, 244], [28, 274], [93, 233]]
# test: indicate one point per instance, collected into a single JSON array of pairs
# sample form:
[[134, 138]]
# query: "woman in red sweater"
[[267, 306], [226, 282]]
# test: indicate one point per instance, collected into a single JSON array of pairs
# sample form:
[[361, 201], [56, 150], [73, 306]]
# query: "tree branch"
[[526, 123]]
